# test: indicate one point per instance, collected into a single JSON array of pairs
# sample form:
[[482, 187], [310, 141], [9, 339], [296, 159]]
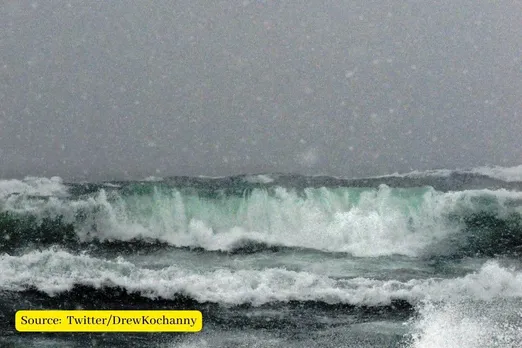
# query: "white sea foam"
[[502, 173], [363, 222], [54, 271], [508, 174], [33, 186], [415, 173], [259, 179], [468, 324]]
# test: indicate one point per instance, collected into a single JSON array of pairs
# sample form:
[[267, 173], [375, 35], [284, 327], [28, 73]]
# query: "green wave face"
[[369, 222]]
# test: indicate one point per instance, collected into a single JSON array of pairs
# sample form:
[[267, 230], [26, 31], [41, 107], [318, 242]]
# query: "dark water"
[[418, 260]]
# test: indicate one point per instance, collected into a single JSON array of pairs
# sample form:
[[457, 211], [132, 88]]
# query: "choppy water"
[[426, 259]]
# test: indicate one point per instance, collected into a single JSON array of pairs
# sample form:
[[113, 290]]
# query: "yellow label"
[[108, 321]]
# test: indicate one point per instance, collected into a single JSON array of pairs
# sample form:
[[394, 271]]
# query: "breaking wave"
[[467, 324], [413, 221], [56, 271]]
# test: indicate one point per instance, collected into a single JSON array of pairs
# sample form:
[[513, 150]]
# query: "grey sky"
[[119, 89]]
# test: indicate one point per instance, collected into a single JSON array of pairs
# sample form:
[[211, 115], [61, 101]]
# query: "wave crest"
[[55, 271], [360, 221]]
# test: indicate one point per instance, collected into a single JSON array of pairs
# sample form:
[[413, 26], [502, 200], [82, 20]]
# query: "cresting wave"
[[412, 221], [57, 271]]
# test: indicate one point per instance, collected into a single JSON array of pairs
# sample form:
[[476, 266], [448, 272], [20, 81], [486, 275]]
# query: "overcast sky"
[[122, 89]]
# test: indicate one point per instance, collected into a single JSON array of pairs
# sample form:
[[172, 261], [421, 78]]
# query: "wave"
[[507, 174], [110, 296], [367, 222], [56, 271], [510, 174], [33, 186]]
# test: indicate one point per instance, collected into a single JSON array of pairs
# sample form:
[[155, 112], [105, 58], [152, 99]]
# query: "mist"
[[95, 90]]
